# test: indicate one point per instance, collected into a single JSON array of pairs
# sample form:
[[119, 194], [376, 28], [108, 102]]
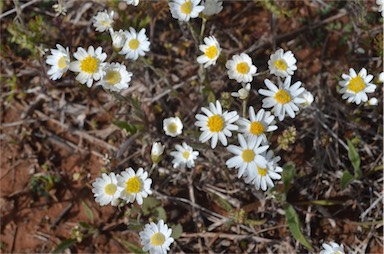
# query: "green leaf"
[[149, 204], [211, 97], [255, 222], [130, 128], [224, 204], [354, 157], [161, 214], [346, 179], [177, 230], [88, 211], [131, 247], [289, 172], [64, 245], [294, 226]]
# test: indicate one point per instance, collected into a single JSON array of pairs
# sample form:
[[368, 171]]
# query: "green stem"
[[244, 103], [193, 32], [202, 29], [260, 73]]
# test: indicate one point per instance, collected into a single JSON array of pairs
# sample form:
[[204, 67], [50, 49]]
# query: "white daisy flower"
[[136, 186], [332, 248], [89, 64], [115, 77], [258, 124], [215, 124], [59, 60], [380, 3], [183, 10], [118, 39], [248, 155], [373, 102], [308, 97], [106, 190], [211, 50], [212, 7], [156, 239], [283, 99], [240, 68], [381, 75], [282, 64], [356, 86], [133, 2], [172, 126], [135, 45], [262, 177], [184, 156], [103, 21], [243, 92], [156, 152]]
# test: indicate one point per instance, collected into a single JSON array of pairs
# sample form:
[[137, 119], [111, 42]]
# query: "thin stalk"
[[193, 32], [202, 29]]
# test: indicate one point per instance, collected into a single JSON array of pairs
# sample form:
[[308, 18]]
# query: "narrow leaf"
[[64, 245], [288, 174], [294, 226], [354, 157], [88, 211], [130, 128], [346, 179]]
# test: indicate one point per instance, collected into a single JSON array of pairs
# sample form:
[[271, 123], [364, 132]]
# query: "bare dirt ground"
[[57, 137]]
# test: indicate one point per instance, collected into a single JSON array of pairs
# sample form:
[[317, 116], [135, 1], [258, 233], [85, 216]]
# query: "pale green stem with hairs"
[[202, 29]]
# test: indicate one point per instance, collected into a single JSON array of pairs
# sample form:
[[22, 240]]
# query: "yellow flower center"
[[257, 128], [282, 96], [172, 128], [133, 185], [89, 64], [280, 65], [186, 155], [113, 77], [356, 84], [186, 7], [211, 52], [62, 63], [110, 189], [215, 123], [134, 44], [262, 171], [242, 68], [157, 239], [248, 155]]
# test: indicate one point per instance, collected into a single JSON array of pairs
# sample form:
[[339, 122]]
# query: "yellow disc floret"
[[282, 96], [186, 7], [133, 185], [257, 128], [89, 64], [211, 52], [356, 84], [62, 63], [242, 68], [262, 171], [134, 44], [215, 123], [172, 128], [248, 155], [280, 65], [110, 189], [186, 155], [113, 77], [157, 239]]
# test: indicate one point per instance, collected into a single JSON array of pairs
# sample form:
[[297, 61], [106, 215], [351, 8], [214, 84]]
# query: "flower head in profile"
[[248, 155], [106, 190], [283, 99], [216, 124], [243, 92], [356, 86], [103, 21], [240, 68], [282, 64], [89, 64], [211, 51], [133, 2], [262, 177], [136, 44], [184, 10], [59, 61], [258, 124], [172, 126], [212, 7], [332, 248], [373, 102], [156, 152], [118, 39], [381, 75], [115, 77], [184, 156], [156, 238], [380, 3], [136, 186], [308, 97]]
